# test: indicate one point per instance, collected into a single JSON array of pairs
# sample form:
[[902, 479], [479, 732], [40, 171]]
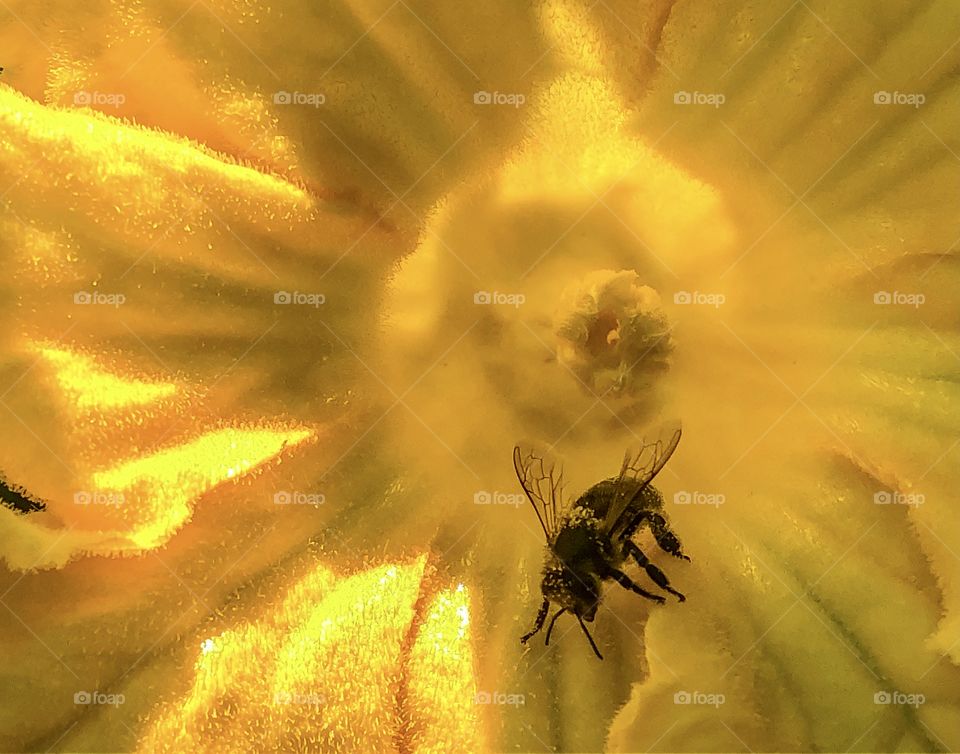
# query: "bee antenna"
[[589, 637], [553, 620]]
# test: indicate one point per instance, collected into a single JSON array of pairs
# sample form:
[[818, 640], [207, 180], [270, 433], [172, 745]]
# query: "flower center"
[[612, 332], [603, 335]]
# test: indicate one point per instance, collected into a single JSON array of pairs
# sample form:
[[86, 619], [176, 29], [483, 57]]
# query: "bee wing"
[[542, 480], [637, 471]]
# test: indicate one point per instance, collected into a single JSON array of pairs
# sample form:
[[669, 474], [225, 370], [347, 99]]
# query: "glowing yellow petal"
[[135, 503], [320, 672], [163, 484], [91, 387], [441, 691], [398, 119], [116, 152]]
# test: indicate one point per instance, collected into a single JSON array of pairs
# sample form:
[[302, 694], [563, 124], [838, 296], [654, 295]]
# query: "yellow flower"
[[286, 285]]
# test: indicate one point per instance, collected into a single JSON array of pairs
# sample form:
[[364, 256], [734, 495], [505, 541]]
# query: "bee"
[[589, 542]]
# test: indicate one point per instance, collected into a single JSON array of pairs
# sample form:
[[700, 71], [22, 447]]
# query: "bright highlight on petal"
[[332, 668], [441, 690], [163, 484], [92, 388], [118, 152], [131, 500]]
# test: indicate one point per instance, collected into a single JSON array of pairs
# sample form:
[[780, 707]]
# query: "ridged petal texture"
[[284, 285], [201, 203], [800, 230], [837, 149], [379, 661]]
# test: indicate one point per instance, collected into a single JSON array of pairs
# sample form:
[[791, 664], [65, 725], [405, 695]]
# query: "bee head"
[[577, 592]]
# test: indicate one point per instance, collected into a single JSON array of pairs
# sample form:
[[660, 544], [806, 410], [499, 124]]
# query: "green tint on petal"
[[841, 199], [786, 232]]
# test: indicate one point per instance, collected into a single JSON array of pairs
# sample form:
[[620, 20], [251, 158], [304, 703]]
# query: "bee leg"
[[666, 539], [655, 574], [623, 580], [553, 620], [586, 633], [541, 617]]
